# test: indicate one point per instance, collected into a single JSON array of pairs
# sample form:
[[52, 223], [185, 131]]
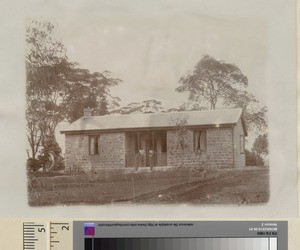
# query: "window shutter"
[[92, 145], [199, 140], [242, 144], [97, 145], [194, 139], [203, 140]]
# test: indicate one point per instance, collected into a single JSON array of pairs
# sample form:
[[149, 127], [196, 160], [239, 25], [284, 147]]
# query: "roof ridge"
[[155, 120], [172, 112]]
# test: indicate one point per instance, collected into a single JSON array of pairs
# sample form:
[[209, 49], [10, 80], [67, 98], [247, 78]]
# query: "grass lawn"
[[210, 186]]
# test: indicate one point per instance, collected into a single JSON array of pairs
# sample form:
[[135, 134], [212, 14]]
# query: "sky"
[[150, 53]]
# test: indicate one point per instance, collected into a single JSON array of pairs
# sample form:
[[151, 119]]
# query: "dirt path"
[[238, 187]]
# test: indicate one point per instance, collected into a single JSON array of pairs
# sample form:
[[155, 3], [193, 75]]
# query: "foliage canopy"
[[57, 90]]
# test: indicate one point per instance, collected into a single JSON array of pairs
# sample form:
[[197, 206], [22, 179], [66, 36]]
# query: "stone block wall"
[[77, 152], [176, 156], [222, 150], [239, 157], [219, 149], [111, 151], [111, 148]]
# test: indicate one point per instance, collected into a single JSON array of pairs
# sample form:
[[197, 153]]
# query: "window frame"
[[197, 141], [242, 144], [96, 144], [164, 142]]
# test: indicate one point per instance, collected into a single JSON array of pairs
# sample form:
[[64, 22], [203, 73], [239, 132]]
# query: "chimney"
[[87, 112]]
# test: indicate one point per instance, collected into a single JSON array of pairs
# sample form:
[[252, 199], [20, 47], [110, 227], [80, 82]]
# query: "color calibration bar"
[[180, 235], [181, 243]]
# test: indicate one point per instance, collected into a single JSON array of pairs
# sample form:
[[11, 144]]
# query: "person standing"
[[151, 158], [141, 159]]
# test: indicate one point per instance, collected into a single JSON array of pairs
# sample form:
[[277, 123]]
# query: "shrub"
[[50, 158], [33, 165]]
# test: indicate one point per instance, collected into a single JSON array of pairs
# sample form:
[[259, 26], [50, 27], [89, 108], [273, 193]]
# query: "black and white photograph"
[[167, 105]]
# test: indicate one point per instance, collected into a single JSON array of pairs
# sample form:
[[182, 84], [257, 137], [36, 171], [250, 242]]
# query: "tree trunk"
[[213, 103]]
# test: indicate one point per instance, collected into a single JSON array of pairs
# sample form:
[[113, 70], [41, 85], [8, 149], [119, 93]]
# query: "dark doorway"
[[153, 142]]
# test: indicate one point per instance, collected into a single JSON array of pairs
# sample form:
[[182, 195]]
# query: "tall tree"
[[147, 106], [260, 148], [213, 81], [87, 89], [189, 106], [46, 65], [253, 159], [255, 115], [56, 90], [256, 118], [34, 130], [217, 84]]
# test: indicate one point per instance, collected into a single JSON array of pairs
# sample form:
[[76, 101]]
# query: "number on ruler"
[[42, 230], [65, 227], [34, 235], [60, 236]]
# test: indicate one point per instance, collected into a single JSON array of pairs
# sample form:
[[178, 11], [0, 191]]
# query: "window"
[[242, 144], [136, 142], [199, 140], [164, 142], [159, 141], [94, 145]]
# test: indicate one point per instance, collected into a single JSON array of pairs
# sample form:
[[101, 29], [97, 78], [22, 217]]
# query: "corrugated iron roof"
[[155, 120]]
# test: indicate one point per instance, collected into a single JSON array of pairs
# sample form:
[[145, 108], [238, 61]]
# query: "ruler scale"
[[35, 236], [61, 235]]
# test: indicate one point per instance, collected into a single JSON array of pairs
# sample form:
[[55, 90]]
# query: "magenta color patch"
[[89, 229]]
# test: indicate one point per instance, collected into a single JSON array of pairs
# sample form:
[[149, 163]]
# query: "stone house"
[[216, 137]]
